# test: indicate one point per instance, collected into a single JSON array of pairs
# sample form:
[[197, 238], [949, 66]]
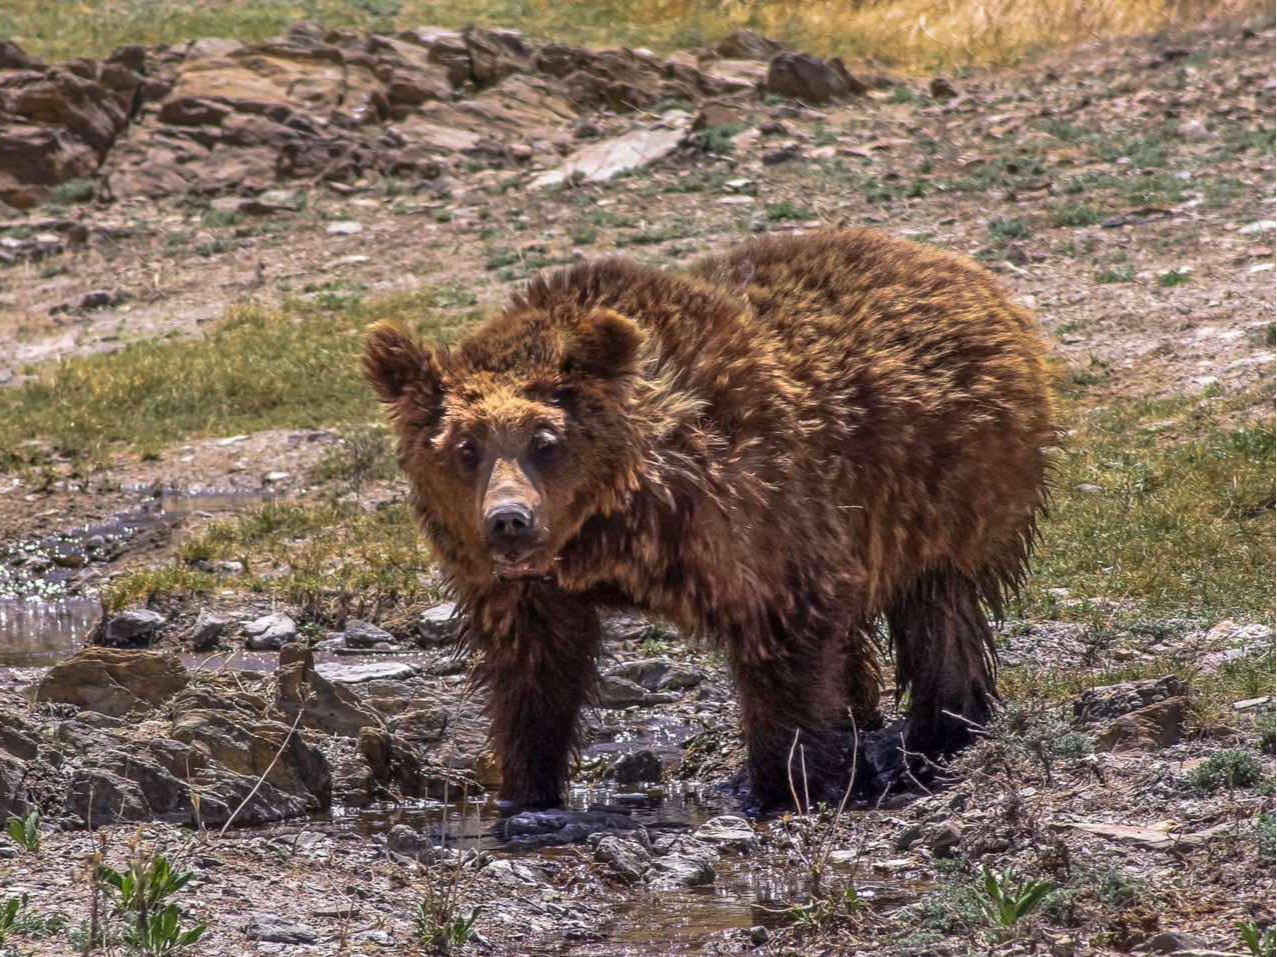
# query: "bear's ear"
[[605, 344], [395, 360]]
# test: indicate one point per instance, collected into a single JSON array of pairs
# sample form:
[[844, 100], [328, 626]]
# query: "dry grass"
[[912, 34]]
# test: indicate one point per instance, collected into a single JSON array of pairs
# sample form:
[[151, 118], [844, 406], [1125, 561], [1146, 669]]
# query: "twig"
[[288, 737]]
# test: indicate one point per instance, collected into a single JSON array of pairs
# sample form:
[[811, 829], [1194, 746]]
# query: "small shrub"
[[715, 139], [1115, 274], [74, 191], [1005, 230], [1007, 902], [785, 211], [10, 908], [1176, 277], [140, 892], [25, 831], [1074, 214], [1230, 769], [1258, 943]]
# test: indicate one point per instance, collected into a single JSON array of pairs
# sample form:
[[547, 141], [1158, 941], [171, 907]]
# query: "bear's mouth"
[[534, 565]]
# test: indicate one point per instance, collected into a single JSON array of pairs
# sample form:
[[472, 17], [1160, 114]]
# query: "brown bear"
[[773, 451]]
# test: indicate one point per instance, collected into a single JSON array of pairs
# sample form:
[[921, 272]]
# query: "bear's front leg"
[[539, 647]]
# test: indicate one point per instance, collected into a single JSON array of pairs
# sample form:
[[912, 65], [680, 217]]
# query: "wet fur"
[[785, 445]]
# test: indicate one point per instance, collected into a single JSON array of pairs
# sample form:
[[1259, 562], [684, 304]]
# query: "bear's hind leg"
[[944, 659], [538, 668]]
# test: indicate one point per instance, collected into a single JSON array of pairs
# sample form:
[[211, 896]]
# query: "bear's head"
[[515, 437]]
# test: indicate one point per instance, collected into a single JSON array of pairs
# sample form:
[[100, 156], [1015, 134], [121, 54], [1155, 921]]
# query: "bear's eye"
[[545, 446], [468, 454]]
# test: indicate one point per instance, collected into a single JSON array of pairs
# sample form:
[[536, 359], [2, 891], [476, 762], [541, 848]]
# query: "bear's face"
[[514, 438]]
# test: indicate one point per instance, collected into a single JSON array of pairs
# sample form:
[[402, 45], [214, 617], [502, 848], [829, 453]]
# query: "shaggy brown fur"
[[774, 451]]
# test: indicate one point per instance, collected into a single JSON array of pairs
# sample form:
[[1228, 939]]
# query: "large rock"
[[113, 681], [605, 159], [137, 626], [324, 706], [270, 632], [728, 832], [1154, 726], [1113, 701], [812, 80], [748, 45], [249, 748], [627, 859], [658, 674]]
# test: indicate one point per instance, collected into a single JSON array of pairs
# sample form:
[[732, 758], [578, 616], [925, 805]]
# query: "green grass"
[[1183, 524], [329, 559], [291, 367], [1076, 214], [1226, 770]]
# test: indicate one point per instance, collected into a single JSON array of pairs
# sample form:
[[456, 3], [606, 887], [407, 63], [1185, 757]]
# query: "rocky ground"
[[311, 757]]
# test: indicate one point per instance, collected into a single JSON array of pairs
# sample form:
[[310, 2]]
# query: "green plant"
[[1115, 274], [10, 908], [25, 831], [715, 139], [1073, 214], [1176, 277], [1006, 901], [1004, 230], [1231, 768], [74, 191], [785, 211], [444, 932], [816, 913], [140, 898], [1259, 943]]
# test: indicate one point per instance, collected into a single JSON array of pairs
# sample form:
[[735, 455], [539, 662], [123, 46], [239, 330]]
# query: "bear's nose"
[[509, 524]]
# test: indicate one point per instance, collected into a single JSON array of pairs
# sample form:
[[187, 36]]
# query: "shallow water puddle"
[[37, 633], [47, 603]]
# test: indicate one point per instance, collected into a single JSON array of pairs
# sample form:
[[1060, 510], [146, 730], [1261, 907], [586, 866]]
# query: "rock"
[[13, 57], [277, 930], [942, 89], [270, 632], [346, 227], [533, 829], [908, 837], [249, 748], [113, 681], [629, 860], [1170, 942], [748, 45], [1154, 726], [1113, 701], [357, 674], [605, 159], [617, 692], [14, 797], [657, 674], [944, 839], [690, 865], [515, 873], [438, 625], [403, 841], [783, 154], [637, 767], [207, 631], [363, 634], [115, 786], [758, 935], [495, 54], [134, 627], [324, 705], [728, 832], [804, 77], [419, 725]]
